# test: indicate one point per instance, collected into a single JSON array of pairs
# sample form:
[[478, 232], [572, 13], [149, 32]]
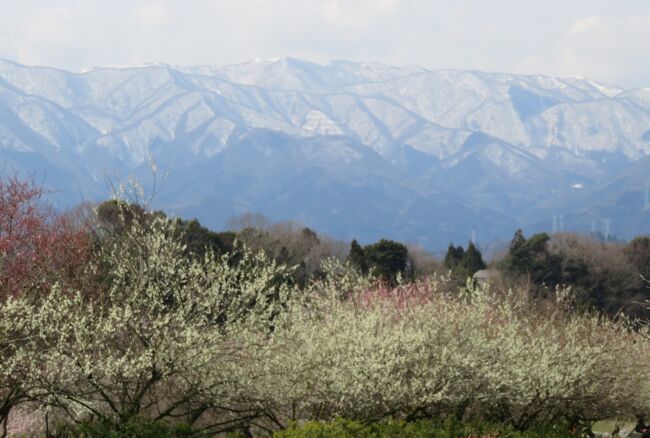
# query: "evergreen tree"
[[357, 257], [472, 260], [454, 256], [387, 258], [517, 241], [199, 239], [530, 257]]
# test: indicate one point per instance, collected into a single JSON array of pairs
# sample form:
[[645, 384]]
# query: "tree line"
[[116, 317], [604, 276]]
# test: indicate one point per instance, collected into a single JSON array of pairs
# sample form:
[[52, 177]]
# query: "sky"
[[605, 40]]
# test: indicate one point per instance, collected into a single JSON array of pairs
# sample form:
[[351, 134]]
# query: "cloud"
[[584, 24], [356, 14], [617, 49], [595, 38], [45, 34], [50, 25], [7, 47], [152, 15]]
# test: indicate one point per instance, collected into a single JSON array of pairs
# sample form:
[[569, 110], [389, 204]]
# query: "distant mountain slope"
[[356, 149]]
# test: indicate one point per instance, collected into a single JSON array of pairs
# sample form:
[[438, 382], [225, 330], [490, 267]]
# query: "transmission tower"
[[561, 223], [646, 201], [554, 223]]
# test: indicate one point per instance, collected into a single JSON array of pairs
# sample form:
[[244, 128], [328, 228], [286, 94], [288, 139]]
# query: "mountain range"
[[351, 149]]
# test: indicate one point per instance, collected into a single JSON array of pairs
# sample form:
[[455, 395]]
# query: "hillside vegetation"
[[124, 321]]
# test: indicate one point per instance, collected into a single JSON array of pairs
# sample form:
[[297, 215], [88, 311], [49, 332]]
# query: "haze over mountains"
[[351, 149]]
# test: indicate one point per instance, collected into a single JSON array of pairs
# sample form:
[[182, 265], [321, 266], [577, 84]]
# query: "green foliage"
[[134, 428], [199, 240], [529, 257], [357, 257], [116, 216], [341, 428], [517, 240], [463, 263], [454, 256], [472, 260], [387, 258]]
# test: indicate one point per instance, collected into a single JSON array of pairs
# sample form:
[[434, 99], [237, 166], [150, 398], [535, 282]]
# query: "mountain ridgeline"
[[355, 150]]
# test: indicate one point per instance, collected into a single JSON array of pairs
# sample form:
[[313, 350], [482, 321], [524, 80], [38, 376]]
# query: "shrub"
[[603, 276], [600, 272], [480, 356], [420, 429], [134, 428], [158, 336], [37, 249], [227, 344], [37, 246], [638, 252]]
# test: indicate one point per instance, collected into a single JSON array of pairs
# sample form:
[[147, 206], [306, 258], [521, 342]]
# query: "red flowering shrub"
[[37, 246], [398, 297]]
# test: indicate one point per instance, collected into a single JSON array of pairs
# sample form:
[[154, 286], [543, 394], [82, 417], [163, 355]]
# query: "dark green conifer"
[[472, 260], [357, 257], [454, 256]]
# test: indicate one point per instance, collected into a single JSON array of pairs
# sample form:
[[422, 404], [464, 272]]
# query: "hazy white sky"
[[605, 40]]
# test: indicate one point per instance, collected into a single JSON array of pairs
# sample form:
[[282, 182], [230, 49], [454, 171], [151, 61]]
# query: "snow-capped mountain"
[[355, 149]]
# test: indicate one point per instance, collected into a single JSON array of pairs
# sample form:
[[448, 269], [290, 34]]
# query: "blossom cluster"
[[229, 343]]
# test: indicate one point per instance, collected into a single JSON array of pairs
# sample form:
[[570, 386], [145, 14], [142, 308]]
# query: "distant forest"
[[602, 275]]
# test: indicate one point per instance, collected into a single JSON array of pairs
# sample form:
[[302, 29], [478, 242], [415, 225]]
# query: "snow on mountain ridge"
[[450, 150], [381, 106]]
